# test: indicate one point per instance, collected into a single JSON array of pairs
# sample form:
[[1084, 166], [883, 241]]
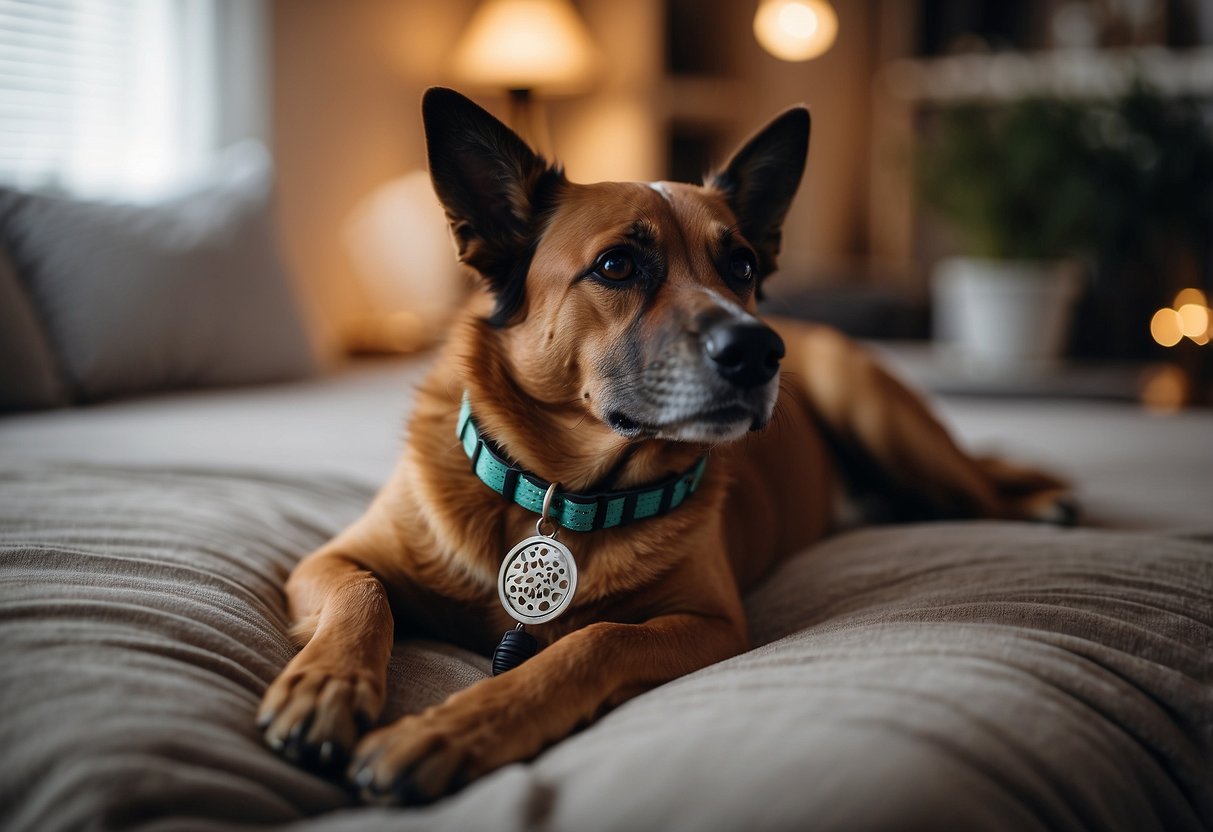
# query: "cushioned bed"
[[958, 675]]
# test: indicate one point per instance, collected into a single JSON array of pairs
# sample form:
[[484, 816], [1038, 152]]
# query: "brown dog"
[[617, 344]]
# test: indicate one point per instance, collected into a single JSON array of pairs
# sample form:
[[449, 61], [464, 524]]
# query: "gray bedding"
[[962, 675]]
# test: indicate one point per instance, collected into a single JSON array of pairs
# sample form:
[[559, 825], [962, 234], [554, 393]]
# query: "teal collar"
[[576, 512]]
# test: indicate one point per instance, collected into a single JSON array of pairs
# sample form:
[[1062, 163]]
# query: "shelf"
[[1067, 73], [933, 368]]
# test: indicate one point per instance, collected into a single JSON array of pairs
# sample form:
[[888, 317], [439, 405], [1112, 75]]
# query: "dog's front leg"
[[513, 716], [334, 688]]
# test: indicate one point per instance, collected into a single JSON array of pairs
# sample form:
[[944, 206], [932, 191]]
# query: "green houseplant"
[[1034, 187]]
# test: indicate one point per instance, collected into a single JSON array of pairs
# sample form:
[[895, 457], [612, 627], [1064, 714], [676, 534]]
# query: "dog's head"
[[632, 301]]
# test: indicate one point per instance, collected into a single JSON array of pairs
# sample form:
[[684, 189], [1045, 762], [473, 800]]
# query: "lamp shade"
[[526, 45]]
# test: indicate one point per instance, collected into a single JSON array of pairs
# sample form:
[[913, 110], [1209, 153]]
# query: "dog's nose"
[[745, 353]]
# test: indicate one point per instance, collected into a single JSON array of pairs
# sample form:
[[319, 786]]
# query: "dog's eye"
[[615, 264], [742, 265]]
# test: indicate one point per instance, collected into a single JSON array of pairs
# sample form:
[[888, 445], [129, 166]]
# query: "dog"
[[615, 366]]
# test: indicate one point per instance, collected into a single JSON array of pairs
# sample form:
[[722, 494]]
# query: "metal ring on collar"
[[543, 516]]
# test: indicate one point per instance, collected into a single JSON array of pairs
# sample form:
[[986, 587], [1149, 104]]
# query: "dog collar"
[[575, 512]]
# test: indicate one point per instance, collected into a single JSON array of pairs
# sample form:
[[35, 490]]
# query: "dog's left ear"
[[761, 179], [495, 190]]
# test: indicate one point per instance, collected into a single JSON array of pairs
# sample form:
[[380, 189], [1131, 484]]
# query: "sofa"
[[968, 675]]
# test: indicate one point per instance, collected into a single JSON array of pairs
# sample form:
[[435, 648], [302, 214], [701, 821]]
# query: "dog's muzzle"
[[744, 353]]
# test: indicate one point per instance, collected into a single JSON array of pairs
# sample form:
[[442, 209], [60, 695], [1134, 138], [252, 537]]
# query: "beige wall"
[[348, 77]]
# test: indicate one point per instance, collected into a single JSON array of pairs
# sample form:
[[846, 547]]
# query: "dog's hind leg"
[[879, 420], [334, 688]]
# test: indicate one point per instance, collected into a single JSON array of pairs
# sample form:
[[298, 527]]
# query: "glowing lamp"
[[795, 30]]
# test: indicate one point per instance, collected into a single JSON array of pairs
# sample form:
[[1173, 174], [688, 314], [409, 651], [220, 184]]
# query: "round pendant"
[[537, 580]]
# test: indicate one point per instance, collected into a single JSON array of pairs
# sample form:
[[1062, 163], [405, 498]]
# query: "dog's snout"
[[745, 353]]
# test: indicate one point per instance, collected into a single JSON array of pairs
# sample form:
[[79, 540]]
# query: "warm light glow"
[[397, 241], [1165, 327], [526, 45], [1190, 318], [1164, 388], [795, 30], [1193, 320], [1187, 296]]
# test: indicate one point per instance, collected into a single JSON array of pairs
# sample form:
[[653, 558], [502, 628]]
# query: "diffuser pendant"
[[537, 580]]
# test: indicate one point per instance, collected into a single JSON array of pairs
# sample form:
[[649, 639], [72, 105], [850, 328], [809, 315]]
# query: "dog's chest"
[[470, 612]]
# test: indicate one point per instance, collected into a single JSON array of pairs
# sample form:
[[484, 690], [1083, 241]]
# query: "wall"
[[348, 77], [825, 230]]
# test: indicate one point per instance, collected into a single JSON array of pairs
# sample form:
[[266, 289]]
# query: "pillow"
[[188, 292], [28, 375]]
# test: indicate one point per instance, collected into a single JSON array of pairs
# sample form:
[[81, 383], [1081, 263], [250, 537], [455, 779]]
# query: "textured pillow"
[[28, 376], [188, 292]]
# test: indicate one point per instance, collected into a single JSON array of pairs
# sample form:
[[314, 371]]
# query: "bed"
[[962, 675]]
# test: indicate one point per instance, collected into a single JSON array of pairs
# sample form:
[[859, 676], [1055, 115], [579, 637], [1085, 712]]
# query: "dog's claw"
[[1062, 511], [363, 777]]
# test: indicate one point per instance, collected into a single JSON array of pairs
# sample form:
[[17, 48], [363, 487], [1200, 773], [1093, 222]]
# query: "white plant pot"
[[1005, 315]]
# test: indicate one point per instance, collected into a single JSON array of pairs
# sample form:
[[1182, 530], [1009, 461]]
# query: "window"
[[126, 97]]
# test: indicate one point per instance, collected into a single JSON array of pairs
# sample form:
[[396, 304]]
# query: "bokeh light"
[[1165, 327], [1164, 388], [795, 30], [1193, 320], [1187, 296], [1190, 318]]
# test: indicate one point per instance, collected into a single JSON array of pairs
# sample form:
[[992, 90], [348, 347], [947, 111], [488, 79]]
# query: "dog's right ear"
[[495, 189]]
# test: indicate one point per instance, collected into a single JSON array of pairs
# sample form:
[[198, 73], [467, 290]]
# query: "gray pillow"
[[188, 292], [28, 375]]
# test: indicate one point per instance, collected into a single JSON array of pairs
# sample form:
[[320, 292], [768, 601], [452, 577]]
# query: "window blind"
[[118, 97]]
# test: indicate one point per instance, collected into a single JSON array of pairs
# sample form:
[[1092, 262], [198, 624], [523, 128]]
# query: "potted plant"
[[1015, 185], [1037, 187]]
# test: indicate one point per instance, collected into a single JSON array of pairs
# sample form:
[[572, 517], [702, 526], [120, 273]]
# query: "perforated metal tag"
[[537, 580]]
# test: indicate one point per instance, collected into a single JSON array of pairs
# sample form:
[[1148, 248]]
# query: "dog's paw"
[[421, 758], [1030, 494], [313, 715], [1059, 509]]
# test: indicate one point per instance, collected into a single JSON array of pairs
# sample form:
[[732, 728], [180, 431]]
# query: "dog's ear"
[[761, 179], [495, 189]]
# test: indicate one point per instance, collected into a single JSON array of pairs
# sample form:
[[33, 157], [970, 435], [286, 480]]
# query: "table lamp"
[[526, 47]]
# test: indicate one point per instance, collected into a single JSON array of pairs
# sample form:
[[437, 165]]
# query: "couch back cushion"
[[28, 375], [187, 292]]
